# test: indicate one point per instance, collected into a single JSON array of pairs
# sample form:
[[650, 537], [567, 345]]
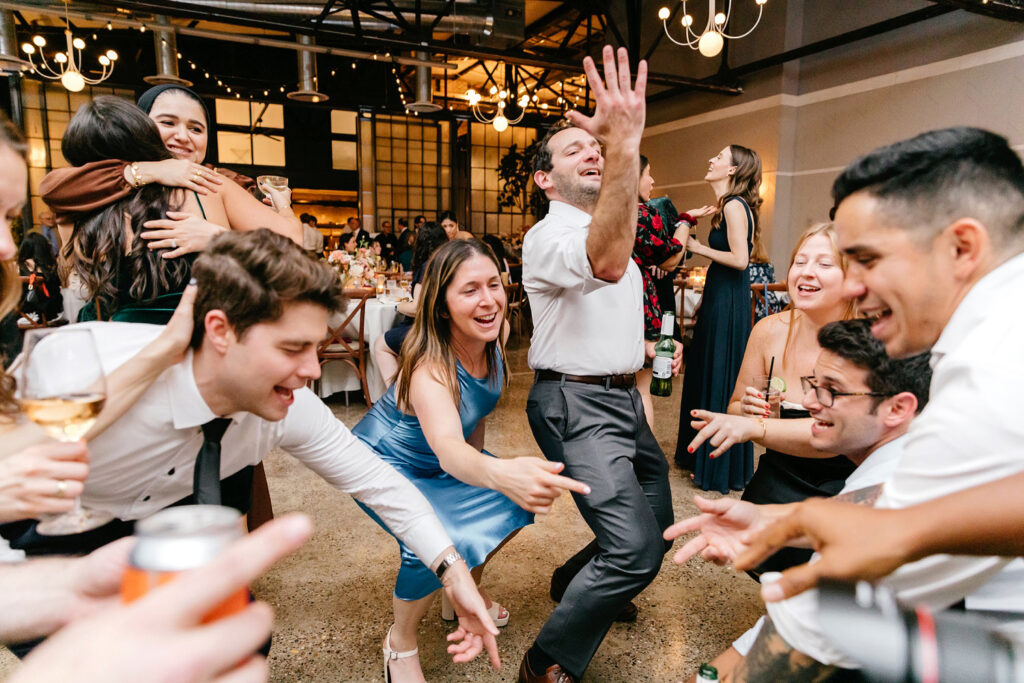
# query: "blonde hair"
[[429, 342], [10, 283], [829, 231]]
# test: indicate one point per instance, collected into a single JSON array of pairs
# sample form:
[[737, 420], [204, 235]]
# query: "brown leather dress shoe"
[[553, 674]]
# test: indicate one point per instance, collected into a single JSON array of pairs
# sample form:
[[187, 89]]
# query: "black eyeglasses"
[[827, 397]]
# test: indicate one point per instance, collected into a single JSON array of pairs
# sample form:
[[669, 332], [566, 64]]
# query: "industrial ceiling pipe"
[[307, 91], [165, 42], [424, 101]]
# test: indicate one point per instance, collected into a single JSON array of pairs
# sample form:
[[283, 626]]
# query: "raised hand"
[[620, 109], [705, 210], [533, 484], [855, 543], [722, 430], [722, 526]]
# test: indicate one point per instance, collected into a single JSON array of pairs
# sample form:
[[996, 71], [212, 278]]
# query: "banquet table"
[[338, 376]]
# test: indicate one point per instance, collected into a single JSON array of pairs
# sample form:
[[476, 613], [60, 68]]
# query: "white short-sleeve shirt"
[[582, 325]]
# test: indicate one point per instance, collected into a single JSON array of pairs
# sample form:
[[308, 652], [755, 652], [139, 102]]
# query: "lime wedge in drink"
[[778, 384]]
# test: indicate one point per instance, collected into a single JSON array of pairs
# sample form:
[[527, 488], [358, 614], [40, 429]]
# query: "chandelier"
[[500, 118], [67, 66], [709, 41]]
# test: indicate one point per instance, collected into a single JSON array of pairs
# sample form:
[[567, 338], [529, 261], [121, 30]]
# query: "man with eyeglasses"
[[861, 402]]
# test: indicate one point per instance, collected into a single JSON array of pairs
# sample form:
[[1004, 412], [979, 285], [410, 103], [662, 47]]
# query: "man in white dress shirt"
[[586, 295], [934, 230], [260, 313]]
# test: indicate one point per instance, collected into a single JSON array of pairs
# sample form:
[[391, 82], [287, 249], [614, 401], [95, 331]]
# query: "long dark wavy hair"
[[428, 240], [429, 342], [114, 263]]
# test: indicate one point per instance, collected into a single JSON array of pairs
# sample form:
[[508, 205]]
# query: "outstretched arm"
[[772, 659], [618, 124]]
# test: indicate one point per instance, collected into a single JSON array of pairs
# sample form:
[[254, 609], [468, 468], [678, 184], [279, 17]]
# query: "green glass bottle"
[[707, 674], [664, 350]]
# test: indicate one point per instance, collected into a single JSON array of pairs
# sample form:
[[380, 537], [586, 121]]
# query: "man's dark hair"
[[542, 158], [418, 219], [404, 223], [308, 218], [252, 275], [852, 340], [928, 181]]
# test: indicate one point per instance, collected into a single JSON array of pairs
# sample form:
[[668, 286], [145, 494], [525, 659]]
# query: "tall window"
[[343, 140], [488, 146], [250, 133], [413, 167]]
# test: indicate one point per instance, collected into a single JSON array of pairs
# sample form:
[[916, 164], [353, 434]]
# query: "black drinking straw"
[[771, 367]]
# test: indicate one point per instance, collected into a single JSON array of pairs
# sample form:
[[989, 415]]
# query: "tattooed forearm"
[[771, 659], [865, 496]]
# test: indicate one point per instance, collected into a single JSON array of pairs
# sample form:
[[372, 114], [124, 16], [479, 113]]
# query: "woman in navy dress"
[[723, 322], [429, 425]]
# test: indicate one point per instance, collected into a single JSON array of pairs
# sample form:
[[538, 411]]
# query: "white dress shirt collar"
[[188, 409], [568, 214], [975, 306]]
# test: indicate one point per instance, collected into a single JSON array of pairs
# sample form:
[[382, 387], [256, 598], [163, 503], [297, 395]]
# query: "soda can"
[[178, 539]]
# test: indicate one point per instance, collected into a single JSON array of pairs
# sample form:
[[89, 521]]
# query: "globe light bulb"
[[72, 80], [493, 89], [710, 43], [500, 123], [60, 58], [39, 41], [720, 18], [104, 61], [502, 95], [28, 49], [78, 43], [112, 56], [687, 21], [663, 13]]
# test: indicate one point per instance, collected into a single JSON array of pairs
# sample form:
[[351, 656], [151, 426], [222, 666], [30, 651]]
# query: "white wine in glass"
[[274, 182], [62, 389]]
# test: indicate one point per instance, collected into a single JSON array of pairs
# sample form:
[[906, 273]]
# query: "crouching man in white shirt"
[[260, 312]]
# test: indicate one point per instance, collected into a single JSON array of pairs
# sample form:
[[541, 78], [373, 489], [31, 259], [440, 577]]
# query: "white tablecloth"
[[688, 305], [338, 376]]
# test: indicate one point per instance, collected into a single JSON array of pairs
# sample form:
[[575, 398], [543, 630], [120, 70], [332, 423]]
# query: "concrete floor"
[[333, 597]]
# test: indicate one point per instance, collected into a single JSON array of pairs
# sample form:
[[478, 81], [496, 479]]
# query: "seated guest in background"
[[48, 229], [430, 426], [862, 403], [385, 350], [312, 239], [363, 238], [124, 277], [404, 244], [387, 241], [261, 310], [446, 219], [790, 471], [933, 227], [41, 295], [349, 242]]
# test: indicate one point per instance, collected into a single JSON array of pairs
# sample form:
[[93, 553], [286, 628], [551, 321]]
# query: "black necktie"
[[206, 479]]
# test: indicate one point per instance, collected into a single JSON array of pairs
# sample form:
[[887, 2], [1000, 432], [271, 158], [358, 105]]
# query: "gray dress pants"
[[602, 437]]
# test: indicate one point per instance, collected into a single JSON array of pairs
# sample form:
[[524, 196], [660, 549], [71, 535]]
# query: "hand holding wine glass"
[[62, 389]]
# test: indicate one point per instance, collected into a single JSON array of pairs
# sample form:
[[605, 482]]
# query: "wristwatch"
[[446, 562]]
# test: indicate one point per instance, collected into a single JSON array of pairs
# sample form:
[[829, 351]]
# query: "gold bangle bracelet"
[[764, 428], [134, 168]]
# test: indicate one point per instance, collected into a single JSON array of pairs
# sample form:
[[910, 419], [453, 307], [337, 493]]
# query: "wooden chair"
[[514, 304], [758, 291], [679, 292], [347, 341]]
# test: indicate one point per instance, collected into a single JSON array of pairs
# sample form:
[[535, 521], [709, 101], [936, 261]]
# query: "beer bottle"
[[707, 674], [664, 350]]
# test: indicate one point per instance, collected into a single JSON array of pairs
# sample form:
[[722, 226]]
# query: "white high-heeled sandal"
[[390, 655], [448, 612]]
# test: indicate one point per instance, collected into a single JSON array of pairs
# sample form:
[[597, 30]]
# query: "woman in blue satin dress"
[[430, 427]]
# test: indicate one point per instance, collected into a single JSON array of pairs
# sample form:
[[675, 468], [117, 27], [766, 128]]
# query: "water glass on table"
[[772, 390]]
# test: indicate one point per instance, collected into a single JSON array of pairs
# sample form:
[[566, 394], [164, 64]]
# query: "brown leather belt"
[[607, 381]]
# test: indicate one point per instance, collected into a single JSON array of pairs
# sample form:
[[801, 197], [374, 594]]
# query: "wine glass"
[[274, 182], [62, 389]]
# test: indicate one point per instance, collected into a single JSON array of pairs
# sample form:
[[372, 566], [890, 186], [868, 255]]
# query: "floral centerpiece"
[[355, 270]]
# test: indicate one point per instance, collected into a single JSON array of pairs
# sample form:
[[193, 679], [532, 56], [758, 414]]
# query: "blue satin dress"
[[476, 519]]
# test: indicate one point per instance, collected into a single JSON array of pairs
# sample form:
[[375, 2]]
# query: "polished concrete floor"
[[333, 597]]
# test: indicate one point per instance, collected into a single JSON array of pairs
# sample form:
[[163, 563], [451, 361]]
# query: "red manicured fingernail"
[[689, 449], [693, 412]]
